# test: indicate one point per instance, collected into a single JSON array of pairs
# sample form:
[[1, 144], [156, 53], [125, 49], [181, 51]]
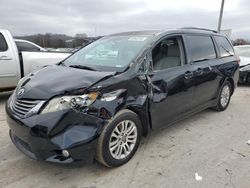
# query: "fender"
[[129, 94]]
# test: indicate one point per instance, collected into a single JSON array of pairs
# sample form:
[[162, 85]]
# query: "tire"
[[224, 97], [110, 135]]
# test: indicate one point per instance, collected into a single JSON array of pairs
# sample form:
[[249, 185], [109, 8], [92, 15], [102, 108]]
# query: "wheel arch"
[[231, 81], [143, 118]]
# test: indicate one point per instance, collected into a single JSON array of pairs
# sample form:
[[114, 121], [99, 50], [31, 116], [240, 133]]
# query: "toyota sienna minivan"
[[100, 101]]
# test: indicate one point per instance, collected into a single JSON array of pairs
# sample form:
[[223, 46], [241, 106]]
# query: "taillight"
[[238, 61]]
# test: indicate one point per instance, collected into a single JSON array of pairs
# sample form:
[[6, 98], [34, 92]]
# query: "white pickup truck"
[[14, 64]]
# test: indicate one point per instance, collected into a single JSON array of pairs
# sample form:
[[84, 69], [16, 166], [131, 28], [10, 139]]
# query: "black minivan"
[[100, 101]]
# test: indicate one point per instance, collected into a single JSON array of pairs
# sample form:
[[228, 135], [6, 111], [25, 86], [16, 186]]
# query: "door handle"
[[188, 75], [5, 58], [199, 72]]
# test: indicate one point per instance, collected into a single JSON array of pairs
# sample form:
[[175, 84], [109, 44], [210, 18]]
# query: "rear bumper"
[[43, 137]]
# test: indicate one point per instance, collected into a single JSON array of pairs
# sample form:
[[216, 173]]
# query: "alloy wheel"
[[225, 96], [123, 139]]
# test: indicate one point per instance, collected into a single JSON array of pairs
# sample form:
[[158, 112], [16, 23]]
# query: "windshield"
[[243, 51], [113, 53]]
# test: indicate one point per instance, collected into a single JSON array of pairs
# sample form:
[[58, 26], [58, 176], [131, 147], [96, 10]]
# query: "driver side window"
[[167, 54], [24, 46], [3, 43]]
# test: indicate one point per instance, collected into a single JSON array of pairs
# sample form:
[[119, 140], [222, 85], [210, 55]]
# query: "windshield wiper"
[[82, 67]]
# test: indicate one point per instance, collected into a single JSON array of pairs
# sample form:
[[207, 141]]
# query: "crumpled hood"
[[56, 80]]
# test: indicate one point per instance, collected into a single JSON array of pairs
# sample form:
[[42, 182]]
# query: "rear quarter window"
[[200, 48], [225, 48], [3, 43]]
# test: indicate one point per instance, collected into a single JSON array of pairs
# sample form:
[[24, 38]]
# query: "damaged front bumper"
[[46, 136], [244, 74]]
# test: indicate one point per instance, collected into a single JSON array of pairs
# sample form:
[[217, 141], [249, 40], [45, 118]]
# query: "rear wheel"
[[119, 140], [224, 96]]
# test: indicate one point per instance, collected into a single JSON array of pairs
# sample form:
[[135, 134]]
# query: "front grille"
[[22, 107]]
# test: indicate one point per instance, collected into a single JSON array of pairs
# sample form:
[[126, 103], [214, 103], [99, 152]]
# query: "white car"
[[244, 53], [16, 64]]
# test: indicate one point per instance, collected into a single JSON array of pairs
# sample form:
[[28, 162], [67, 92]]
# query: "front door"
[[171, 83], [8, 66]]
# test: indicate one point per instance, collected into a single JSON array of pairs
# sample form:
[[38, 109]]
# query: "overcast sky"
[[101, 17]]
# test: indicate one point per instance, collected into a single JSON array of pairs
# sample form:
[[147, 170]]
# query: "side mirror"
[[143, 66], [146, 66], [149, 67]]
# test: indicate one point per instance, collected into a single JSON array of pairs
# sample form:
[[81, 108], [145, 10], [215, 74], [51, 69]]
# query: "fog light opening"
[[65, 153]]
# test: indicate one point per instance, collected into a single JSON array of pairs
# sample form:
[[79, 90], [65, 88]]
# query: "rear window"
[[200, 48], [25, 46], [3, 44], [225, 48]]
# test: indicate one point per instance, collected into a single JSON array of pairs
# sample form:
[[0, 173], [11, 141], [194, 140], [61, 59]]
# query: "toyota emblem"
[[20, 93]]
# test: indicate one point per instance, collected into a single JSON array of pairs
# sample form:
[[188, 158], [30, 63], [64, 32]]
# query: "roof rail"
[[198, 28]]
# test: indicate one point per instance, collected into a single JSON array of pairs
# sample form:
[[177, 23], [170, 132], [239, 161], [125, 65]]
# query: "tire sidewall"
[[219, 106], [106, 155]]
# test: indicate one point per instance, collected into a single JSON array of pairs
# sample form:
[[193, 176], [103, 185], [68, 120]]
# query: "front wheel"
[[224, 97], [119, 140]]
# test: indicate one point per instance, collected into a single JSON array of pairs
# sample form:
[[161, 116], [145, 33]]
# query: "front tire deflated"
[[119, 139]]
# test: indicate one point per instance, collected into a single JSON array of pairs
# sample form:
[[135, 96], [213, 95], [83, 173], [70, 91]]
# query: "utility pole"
[[221, 15]]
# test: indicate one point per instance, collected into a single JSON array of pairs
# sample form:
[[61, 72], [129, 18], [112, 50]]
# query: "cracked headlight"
[[66, 102]]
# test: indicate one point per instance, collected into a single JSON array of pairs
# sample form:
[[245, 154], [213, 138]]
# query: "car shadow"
[[4, 96], [244, 85]]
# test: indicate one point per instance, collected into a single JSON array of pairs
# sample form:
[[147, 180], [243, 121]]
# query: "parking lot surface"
[[211, 144]]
